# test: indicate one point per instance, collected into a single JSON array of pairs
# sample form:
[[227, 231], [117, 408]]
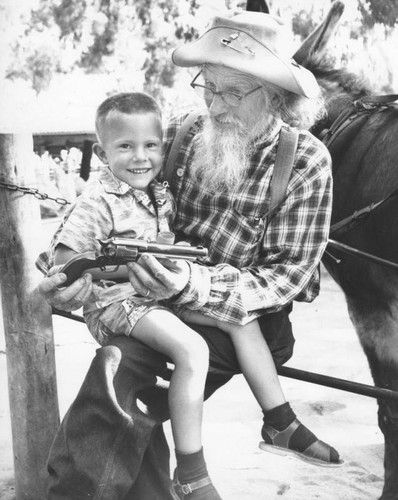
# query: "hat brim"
[[251, 57]]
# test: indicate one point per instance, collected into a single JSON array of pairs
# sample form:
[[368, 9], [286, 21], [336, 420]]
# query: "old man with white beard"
[[259, 261]]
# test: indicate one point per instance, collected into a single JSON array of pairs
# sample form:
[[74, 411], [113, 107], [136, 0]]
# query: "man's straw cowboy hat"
[[254, 43]]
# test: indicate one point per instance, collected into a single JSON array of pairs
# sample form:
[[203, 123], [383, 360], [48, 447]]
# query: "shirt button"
[[180, 172]]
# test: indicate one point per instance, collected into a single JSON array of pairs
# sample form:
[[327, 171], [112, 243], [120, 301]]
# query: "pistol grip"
[[76, 266]]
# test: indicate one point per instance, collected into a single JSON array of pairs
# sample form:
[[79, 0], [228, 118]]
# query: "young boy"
[[128, 200]]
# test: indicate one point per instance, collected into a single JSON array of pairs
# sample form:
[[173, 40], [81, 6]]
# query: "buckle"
[[186, 489], [182, 489]]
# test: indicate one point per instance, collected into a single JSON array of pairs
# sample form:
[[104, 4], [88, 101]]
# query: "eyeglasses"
[[232, 99]]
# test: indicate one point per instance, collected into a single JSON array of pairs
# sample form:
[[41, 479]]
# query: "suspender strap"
[[283, 168], [175, 147]]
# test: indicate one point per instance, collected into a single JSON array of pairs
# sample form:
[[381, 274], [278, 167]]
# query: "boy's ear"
[[99, 151]]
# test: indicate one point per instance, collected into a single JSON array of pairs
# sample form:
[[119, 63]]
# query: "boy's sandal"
[[179, 491], [317, 453]]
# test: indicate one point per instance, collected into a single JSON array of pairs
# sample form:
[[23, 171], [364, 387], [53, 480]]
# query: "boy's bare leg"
[[257, 364], [164, 332], [281, 429], [254, 358]]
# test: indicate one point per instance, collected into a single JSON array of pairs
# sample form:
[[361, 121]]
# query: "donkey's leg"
[[388, 423], [378, 333], [386, 375]]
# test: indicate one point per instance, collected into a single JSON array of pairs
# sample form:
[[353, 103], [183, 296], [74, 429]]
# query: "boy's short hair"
[[128, 103]]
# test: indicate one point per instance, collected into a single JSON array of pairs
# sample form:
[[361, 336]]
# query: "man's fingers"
[[159, 268], [142, 278], [55, 270], [171, 265], [78, 292], [87, 288], [151, 272], [69, 298], [49, 285], [135, 272], [162, 281]]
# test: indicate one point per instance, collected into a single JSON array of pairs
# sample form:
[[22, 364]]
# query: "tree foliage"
[[379, 11], [303, 23], [66, 34], [135, 37]]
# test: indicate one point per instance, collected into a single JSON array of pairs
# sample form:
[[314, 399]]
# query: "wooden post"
[[27, 322], [86, 159]]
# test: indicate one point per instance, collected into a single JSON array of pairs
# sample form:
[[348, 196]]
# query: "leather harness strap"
[[350, 121], [342, 131], [340, 135], [380, 100]]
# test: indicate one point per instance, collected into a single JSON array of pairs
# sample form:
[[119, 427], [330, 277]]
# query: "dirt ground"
[[325, 343]]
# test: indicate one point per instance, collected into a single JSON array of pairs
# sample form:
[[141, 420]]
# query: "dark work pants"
[[111, 445]]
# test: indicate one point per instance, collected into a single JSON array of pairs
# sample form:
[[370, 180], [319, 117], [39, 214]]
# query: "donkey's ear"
[[257, 6], [315, 44]]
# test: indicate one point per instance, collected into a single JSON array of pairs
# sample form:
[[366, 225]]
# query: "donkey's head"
[[339, 86]]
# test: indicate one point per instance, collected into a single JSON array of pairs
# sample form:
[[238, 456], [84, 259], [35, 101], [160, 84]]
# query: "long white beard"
[[222, 157]]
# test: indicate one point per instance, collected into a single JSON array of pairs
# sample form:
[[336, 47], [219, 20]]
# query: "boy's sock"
[[279, 417], [192, 468]]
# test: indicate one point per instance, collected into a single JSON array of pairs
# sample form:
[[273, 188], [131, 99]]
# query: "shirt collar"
[[111, 184]]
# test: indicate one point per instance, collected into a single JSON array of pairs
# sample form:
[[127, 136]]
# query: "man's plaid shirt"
[[255, 266]]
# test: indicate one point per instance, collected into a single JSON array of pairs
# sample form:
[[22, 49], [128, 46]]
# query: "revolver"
[[109, 262]]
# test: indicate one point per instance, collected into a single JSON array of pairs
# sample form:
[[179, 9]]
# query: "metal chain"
[[36, 193]]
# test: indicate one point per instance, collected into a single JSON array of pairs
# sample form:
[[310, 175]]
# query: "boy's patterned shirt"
[[109, 207], [255, 265]]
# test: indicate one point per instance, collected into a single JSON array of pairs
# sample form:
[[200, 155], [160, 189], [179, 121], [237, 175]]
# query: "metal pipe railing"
[[338, 383], [69, 315]]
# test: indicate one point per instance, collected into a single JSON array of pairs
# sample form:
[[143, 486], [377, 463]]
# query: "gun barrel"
[[132, 248]]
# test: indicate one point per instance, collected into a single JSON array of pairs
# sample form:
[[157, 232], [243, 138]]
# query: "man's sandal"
[[317, 452], [179, 491]]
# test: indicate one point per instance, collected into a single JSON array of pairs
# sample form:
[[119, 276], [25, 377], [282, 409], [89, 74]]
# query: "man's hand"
[[66, 299], [158, 278]]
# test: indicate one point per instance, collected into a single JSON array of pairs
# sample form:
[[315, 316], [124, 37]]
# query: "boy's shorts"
[[119, 318]]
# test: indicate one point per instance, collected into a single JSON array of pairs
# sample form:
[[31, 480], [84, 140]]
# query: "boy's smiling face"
[[131, 144]]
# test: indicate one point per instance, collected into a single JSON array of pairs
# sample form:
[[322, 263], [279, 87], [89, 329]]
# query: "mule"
[[365, 171]]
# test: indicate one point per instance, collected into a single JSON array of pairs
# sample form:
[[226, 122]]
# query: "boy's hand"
[[158, 278], [66, 299]]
